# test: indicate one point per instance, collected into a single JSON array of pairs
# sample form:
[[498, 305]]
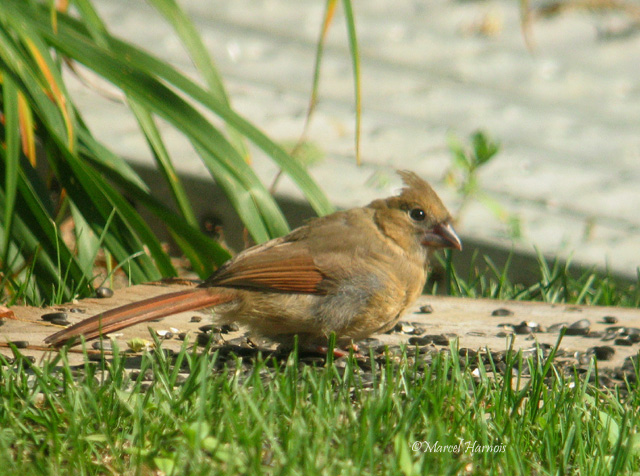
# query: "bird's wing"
[[276, 266], [310, 260]]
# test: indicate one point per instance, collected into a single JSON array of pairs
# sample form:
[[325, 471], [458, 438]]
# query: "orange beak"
[[442, 236]]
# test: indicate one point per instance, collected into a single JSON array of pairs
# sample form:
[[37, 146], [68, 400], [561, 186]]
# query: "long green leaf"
[[239, 197], [327, 18], [106, 157], [55, 122], [192, 41], [29, 32], [292, 167], [26, 76], [174, 109], [193, 242], [135, 57], [95, 25], [34, 59], [197, 241], [87, 243], [35, 231], [11, 157], [163, 160], [99, 32], [187, 32], [355, 62], [98, 199]]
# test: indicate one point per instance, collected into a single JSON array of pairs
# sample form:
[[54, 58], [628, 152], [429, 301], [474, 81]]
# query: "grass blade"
[[355, 62], [152, 134], [11, 157]]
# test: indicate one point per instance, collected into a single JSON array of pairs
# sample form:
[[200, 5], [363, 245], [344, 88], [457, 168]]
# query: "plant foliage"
[[41, 129]]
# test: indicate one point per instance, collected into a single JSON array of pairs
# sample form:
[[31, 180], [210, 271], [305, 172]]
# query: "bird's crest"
[[419, 192]]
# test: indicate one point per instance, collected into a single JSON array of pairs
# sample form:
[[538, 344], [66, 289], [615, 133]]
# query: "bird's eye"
[[417, 214]]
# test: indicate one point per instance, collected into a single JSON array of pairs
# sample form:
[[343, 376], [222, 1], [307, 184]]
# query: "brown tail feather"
[[136, 312]]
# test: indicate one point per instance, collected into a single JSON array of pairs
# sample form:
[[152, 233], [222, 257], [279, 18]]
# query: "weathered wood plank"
[[469, 319]]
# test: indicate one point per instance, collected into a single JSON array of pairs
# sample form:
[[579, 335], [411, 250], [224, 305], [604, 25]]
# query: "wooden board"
[[469, 319]]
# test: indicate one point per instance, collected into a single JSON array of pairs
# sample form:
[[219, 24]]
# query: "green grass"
[[555, 282], [286, 417]]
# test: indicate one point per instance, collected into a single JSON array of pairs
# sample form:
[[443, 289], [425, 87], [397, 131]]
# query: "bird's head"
[[417, 217]]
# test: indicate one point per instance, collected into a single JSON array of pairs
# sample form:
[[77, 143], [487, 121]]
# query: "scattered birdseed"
[[204, 339], [418, 329], [603, 352], [232, 327], [594, 334], [579, 328], [103, 292], [60, 321], [424, 340], [53, 315], [407, 328], [635, 338], [623, 341], [502, 312], [165, 334], [557, 327], [613, 332], [103, 344]]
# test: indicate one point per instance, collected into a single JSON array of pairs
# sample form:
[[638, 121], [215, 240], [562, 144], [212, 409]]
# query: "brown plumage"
[[354, 272]]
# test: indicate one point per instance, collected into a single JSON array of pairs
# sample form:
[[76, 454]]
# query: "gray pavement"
[[567, 114]]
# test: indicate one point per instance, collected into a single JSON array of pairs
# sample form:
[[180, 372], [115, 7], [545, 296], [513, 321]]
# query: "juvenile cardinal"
[[354, 273]]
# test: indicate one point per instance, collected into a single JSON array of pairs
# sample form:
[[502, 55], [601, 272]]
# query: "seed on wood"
[[502, 312], [103, 292], [53, 315]]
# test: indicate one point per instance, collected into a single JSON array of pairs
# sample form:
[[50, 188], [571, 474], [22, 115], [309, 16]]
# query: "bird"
[[352, 273]]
